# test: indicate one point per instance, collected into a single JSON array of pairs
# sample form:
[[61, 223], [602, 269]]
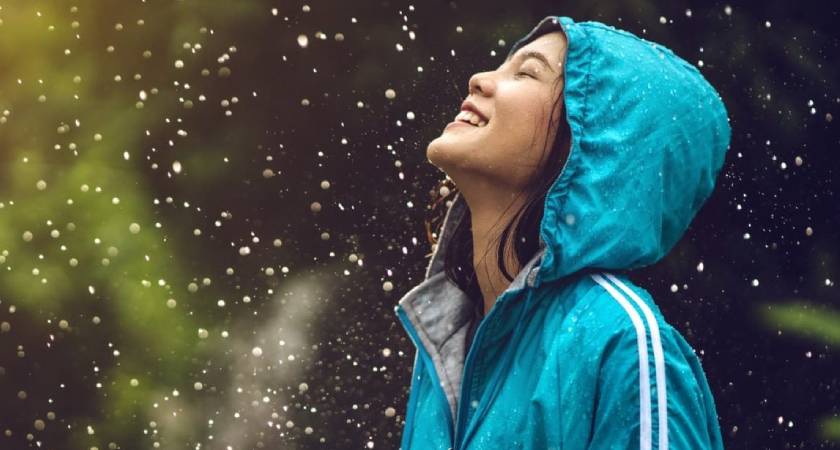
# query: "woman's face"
[[516, 99]]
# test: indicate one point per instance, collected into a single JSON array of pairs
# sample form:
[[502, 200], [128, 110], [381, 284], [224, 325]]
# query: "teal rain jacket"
[[572, 356]]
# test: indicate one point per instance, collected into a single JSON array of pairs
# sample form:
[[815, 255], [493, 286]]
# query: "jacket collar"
[[441, 313]]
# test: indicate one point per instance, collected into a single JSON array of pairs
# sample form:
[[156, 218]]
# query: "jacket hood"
[[649, 137]]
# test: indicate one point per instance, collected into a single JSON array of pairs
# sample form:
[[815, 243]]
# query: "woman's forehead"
[[543, 44]]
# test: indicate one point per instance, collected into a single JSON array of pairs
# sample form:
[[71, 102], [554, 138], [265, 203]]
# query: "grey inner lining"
[[445, 321], [442, 314]]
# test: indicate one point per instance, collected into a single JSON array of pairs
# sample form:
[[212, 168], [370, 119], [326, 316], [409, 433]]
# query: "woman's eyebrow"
[[537, 55]]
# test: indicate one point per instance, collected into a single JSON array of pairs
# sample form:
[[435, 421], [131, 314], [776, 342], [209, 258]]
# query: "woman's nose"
[[481, 83]]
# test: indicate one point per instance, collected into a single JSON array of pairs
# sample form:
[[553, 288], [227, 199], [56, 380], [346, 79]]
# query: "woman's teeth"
[[467, 116]]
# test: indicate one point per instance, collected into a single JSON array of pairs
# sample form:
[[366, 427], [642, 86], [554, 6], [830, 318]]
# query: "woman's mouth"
[[467, 119], [458, 123], [470, 118]]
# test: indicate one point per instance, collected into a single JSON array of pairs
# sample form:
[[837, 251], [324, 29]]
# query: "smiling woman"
[[577, 157], [504, 170]]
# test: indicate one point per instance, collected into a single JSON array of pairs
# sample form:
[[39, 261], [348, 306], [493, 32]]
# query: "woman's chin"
[[447, 154]]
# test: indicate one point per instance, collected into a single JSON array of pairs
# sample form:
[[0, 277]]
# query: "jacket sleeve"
[[628, 413]]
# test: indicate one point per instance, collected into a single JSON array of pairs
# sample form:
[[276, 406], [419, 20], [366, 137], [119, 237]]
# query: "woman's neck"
[[488, 221]]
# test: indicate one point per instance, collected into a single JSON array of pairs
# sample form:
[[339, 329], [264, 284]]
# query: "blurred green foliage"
[[809, 320]]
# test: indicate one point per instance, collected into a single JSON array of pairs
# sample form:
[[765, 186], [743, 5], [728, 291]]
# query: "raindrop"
[[256, 351], [302, 40], [390, 94]]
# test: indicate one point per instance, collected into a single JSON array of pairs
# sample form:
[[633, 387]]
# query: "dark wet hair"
[[458, 261]]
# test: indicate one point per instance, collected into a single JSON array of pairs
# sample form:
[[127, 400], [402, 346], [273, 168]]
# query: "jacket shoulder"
[[646, 379], [612, 304]]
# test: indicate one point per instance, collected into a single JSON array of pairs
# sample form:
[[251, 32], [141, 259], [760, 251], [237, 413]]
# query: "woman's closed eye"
[[526, 73]]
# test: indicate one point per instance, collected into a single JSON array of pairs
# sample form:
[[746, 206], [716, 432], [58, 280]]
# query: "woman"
[[596, 149]]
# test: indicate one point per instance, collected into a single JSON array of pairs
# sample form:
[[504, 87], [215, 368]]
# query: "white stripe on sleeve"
[[644, 374], [661, 392]]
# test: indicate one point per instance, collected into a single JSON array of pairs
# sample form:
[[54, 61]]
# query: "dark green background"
[[333, 358]]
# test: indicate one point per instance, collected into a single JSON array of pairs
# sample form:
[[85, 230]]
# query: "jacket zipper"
[[458, 423], [466, 383]]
